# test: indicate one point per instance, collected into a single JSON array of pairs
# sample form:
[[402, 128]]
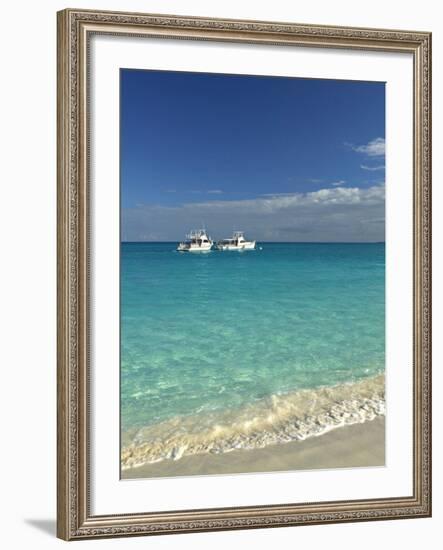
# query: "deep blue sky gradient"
[[184, 134], [284, 159]]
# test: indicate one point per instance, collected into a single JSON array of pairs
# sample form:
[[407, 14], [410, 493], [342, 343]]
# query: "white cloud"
[[374, 148], [277, 194], [338, 183], [372, 168], [207, 192], [333, 214]]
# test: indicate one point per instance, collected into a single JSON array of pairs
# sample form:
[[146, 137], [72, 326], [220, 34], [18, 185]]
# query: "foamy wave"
[[276, 419]]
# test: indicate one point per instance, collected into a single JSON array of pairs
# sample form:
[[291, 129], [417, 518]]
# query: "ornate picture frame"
[[75, 518]]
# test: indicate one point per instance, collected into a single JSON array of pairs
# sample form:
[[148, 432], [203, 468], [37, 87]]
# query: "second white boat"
[[236, 242]]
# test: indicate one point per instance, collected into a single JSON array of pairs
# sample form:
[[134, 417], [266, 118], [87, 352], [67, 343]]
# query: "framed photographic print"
[[243, 274]]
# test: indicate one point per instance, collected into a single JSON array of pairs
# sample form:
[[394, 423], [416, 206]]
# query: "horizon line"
[[272, 242]]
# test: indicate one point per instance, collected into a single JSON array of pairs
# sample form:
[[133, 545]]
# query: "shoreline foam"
[[354, 446], [275, 420]]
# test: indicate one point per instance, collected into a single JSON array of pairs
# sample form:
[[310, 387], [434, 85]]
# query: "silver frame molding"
[[74, 518]]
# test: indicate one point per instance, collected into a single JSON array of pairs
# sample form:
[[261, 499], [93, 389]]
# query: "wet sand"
[[346, 447]]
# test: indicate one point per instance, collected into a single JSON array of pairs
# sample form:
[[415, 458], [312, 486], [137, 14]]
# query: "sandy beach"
[[346, 447]]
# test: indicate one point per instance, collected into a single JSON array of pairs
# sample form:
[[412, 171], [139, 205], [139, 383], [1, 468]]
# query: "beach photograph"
[[252, 274]]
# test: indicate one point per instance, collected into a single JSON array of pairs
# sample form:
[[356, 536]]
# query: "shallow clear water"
[[203, 334]]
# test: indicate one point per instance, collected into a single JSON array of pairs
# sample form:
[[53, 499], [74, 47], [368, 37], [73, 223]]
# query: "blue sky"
[[283, 159]]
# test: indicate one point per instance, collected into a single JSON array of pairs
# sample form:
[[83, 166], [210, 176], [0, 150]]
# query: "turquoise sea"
[[232, 349]]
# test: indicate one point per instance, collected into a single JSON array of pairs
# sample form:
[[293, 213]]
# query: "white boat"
[[236, 242], [196, 241]]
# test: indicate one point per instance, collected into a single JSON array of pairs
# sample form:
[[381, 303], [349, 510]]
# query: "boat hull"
[[194, 248], [243, 246]]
